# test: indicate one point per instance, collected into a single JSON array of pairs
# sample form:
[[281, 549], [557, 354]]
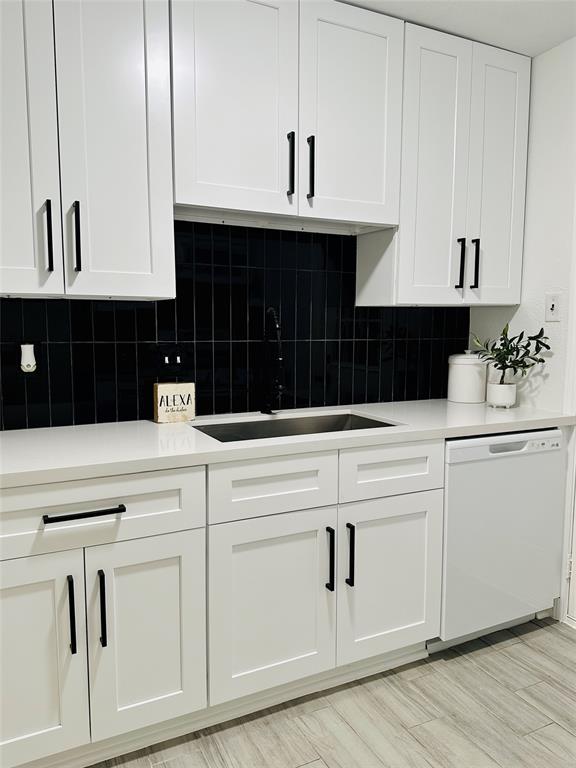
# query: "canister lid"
[[469, 357]]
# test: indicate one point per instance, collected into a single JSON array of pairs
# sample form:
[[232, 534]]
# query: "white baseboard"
[[147, 737]]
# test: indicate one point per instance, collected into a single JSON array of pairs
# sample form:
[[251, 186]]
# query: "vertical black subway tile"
[[83, 383], [333, 253], [104, 321], [288, 304], [81, 325], [38, 390], [147, 372], [125, 319], [373, 372], [255, 304], [203, 306], [61, 400], [184, 244], [346, 372], [318, 297], [317, 378], [255, 375], [400, 365], [222, 377], [239, 303], [303, 304], [204, 378], [349, 254], [105, 388], [360, 371], [305, 251], [11, 326], [288, 399], [273, 290], [425, 322], [374, 323], [332, 372], [303, 374], [58, 319], [166, 320], [347, 307], [438, 369], [146, 321], [289, 251], [202, 243], [238, 247], [387, 350], [13, 387], [412, 350], [387, 323], [127, 382], [333, 286], [185, 308], [361, 323], [401, 315], [438, 322], [274, 254], [34, 320], [318, 251], [239, 376], [256, 247], [424, 369], [221, 302], [221, 246]]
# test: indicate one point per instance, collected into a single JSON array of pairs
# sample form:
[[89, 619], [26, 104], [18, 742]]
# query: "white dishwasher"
[[503, 523]]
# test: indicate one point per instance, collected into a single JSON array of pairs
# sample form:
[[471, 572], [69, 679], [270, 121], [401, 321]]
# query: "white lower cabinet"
[[272, 615], [389, 574], [44, 696], [146, 631]]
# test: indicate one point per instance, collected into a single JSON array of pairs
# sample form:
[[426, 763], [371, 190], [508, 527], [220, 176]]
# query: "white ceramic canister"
[[466, 378]]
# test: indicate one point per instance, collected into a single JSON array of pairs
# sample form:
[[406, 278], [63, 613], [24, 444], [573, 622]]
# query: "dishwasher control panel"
[[547, 444]]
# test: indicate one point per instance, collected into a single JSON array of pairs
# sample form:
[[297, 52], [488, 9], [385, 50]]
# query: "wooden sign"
[[174, 402]]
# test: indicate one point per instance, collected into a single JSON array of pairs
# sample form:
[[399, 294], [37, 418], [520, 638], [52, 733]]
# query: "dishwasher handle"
[[515, 447]]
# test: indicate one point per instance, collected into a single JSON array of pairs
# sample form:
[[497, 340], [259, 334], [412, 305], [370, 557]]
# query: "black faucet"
[[272, 369]]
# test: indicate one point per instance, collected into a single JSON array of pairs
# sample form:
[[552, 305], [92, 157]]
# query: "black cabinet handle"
[[77, 238], [332, 544], [462, 241], [46, 519], [312, 153], [352, 555], [72, 609], [291, 162], [103, 625], [49, 237], [476, 243]]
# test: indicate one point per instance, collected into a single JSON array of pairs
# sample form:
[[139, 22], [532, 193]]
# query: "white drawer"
[[242, 489], [34, 520], [388, 470]]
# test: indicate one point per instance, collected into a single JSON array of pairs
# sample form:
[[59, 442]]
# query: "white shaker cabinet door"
[[113, 74], [146, 631], [497, 180], [272, 614], [434, 167], [389, 574], [30, 228], [235, 80], [350, 113], [44, 696]]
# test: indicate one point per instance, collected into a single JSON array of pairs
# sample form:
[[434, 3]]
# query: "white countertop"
[[32, 456]]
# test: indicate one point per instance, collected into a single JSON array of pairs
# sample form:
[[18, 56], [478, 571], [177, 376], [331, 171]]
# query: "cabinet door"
[[350, 108], [389, 574], [44, 691], [235, 79], [434, 166], [114, 115], [146, 631], [272, 615], [30, 231], [497, 181]]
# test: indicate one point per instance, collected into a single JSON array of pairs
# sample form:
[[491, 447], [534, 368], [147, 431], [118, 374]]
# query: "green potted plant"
[[510, 353]]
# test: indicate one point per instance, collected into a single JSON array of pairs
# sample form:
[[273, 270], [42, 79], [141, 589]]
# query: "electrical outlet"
[[553, 308]]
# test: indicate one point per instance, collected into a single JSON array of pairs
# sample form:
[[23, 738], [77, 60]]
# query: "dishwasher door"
[[503, 523]]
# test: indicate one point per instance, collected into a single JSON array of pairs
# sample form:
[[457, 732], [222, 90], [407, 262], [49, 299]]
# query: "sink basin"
[[281, 427]]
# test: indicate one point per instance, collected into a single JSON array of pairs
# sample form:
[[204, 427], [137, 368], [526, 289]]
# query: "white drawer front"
[[242, 489], [153, 502], [388, 470]]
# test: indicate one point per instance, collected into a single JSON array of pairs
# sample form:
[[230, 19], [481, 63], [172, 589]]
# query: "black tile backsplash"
[[97, 360]]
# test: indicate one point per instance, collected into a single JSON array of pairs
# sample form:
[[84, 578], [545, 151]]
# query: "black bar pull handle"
[[352, 555], [291, 163], [330, 584], [312, 157], [49, 236], [77, 237], [462, 242], [47, 519], [103, 623], [72, 609], [476, 243]]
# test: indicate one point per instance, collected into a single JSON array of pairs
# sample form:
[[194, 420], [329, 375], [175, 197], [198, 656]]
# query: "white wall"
[[550, 229]]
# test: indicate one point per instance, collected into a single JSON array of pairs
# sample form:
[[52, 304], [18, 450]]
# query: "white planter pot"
[[501, 395]]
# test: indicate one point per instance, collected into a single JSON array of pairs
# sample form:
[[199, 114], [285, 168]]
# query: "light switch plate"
[[553, 307]]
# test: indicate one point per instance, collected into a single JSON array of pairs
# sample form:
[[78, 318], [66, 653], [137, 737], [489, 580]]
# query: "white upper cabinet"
[[113, 77], [43, 657], [235, 79], [434, 166], [465, 133], [497, 175], [350, 113], [30, 228]]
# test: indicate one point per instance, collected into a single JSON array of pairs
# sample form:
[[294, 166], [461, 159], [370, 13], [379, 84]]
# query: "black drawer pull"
[[476, 243], [49, 236], [46, 519], [103, 624], [291, 163], [462, 242], [312, 157], [352, 555], [77, 237], [331, 572], [72, 609]]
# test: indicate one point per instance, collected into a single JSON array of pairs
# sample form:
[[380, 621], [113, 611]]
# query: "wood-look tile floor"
[[505, 701]]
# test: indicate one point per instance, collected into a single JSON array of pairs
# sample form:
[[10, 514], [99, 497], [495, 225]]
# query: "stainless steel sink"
[[281, 427]]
